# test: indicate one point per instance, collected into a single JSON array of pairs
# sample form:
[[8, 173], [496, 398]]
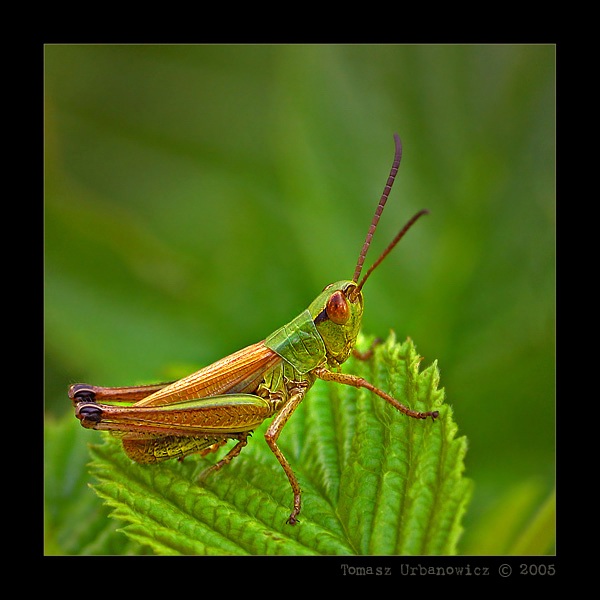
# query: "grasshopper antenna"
[[390, 247], [378, 211]]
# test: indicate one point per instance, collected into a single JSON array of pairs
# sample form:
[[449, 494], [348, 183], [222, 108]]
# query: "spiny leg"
[[242, 441], [271, 436], [358, 382], [213, 448]]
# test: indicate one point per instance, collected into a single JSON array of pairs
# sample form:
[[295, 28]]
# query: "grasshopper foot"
[[292, 520]]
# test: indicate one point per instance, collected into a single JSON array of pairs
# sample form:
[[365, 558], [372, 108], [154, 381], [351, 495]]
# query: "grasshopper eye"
[[337, 308]]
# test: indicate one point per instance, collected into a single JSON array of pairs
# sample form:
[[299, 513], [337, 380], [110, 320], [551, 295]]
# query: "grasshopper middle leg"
[[272, 434], [242, 442]]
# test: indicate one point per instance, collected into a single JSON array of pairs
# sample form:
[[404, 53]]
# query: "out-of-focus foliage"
[[198, 197]]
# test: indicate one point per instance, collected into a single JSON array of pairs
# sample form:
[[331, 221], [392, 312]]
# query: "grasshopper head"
[[337, 313]]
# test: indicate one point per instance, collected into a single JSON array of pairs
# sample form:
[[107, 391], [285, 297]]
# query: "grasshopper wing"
[[238, 373]]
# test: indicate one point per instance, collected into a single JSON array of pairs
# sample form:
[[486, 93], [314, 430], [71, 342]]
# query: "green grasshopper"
[[230, 398]]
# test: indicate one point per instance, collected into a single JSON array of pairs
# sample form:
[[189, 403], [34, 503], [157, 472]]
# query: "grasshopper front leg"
[[368, 353], [297, 393], [359, 382]]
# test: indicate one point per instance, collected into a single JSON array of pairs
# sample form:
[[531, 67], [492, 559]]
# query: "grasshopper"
[[228, 399]]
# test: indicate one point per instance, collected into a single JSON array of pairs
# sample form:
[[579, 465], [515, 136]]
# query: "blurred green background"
[[198, 197]]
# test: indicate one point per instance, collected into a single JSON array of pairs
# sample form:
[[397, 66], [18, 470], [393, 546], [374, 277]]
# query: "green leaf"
[[373, 480], [74, 524]]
